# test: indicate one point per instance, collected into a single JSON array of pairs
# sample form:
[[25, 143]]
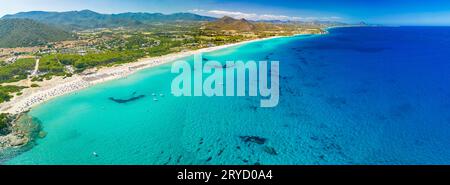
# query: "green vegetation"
[[228, 23], [50, 65], [86, 19], [54, 64], [37, 79], [25, 32], [242, 27], [34, 85], [7, 90], [16, 71], [106, 59], [5, 120]]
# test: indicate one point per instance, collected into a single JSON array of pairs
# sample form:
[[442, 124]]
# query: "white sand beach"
[[58, 86]]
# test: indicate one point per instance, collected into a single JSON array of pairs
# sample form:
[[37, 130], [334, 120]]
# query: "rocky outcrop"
[[23, 129], [253, 139], [13, 140]]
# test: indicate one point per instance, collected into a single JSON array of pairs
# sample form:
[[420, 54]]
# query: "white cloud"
[[254, 16], [197, 10], [239, 15]]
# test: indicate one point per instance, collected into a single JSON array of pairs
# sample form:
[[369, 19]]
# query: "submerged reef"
[[19, 131], [134, 98], [253, 139], [224, 66], [270, 150]]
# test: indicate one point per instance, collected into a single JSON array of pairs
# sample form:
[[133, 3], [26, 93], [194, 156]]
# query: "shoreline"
[[58, 86]]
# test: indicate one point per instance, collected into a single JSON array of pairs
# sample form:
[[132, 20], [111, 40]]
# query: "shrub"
[[34, 85]]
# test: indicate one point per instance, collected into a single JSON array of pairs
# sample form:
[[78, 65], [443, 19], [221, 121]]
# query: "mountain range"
[[26, 32], [87, 19], [40, 27], [241, 25], [229, 23]]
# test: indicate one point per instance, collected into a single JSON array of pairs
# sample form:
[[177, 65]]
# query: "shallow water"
[[354, 96]]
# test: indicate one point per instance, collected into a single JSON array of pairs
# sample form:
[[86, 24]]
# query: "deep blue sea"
[[364, 95]]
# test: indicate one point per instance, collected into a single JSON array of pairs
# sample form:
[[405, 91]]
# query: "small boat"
[[155, 99], [161, 94], [95, 154], [153, 94]]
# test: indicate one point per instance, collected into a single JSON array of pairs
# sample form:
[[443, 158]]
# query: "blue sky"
[[392, 12]]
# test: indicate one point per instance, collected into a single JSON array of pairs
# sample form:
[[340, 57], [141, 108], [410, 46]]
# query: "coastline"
[[58, 86]]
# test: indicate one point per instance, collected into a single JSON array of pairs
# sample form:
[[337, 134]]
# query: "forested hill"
[[87, 19], [26, 32]]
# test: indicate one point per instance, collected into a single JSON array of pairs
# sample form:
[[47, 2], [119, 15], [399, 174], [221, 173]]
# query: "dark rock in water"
[[168, 161], [360, 91], [303, 61], [287, 77], [220, 152], [311, 84], [270, 150], [322, 157], [42, 134], [253, 107], [253, 139], [127, 100], [401, 111], [224, 66], [320, 78], [209, 159], [336, 101], [314, 138], [245, 160], [179, 159], [205, 59], [332, 146]]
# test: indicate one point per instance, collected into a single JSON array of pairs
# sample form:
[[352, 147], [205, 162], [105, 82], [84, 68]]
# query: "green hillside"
[[25, 32], [228, 23], [87, 19]]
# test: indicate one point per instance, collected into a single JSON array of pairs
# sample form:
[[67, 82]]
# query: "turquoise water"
[[354, 96]]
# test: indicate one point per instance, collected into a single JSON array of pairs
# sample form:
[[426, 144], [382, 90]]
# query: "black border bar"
[[280, 173]]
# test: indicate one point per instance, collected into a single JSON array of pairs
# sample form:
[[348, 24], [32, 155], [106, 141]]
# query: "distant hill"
[[26, 32], [240, 25], [362, 23], [228, 23], [87, 19]]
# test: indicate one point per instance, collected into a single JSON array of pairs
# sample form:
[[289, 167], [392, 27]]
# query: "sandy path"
[[36, 68]]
